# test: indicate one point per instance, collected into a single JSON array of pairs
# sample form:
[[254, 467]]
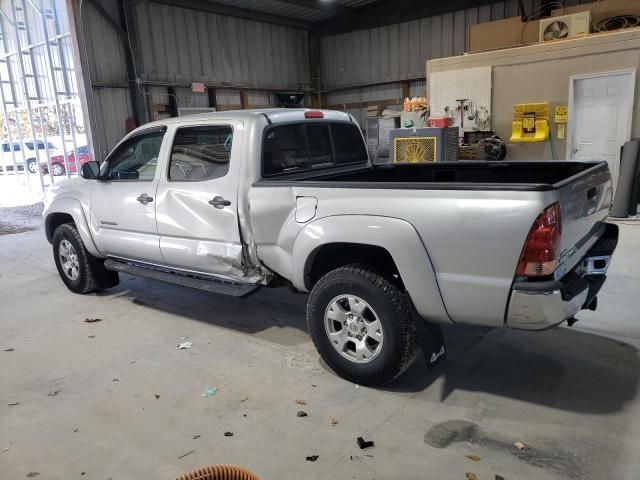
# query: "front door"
[[600, 117], [123, 205], [197, 209]]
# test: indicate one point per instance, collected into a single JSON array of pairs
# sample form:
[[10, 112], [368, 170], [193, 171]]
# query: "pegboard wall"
[[446, 87]]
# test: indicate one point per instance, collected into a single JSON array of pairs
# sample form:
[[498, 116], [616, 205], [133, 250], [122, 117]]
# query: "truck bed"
[[457, 175], [448, 204]]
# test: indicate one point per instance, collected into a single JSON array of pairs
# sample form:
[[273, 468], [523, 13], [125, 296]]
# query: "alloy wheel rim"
[[32, 166], [69, 260], [353, 328]]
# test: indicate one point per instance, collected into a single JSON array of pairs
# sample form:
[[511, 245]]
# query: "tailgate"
[[585, 200]]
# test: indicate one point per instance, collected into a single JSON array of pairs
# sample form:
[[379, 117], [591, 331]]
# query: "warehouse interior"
[[149, 379]]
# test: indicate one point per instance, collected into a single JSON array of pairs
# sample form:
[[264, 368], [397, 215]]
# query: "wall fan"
[[566, 26]]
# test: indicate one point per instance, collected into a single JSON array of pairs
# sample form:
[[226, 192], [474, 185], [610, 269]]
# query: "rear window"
[[306, 146]]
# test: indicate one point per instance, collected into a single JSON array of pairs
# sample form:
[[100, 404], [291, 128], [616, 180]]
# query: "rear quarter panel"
[[473, 238]]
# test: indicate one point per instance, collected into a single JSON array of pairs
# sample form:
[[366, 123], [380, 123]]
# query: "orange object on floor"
[[219, 472]]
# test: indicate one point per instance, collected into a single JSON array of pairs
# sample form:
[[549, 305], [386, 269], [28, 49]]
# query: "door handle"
[[219, 202], [144, 198]]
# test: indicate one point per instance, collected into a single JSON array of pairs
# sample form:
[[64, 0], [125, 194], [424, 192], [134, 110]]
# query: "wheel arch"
[[54, 220], [69, 210], [329, 256], [395, 241]]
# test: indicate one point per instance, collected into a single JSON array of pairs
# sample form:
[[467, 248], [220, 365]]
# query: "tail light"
[[540, 253], [313, 114]]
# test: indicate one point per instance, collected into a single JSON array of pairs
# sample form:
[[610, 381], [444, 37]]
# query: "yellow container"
[[530, 122]]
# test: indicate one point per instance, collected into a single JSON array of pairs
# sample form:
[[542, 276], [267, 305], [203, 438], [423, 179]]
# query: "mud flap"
[[432, 343], [104, 278]]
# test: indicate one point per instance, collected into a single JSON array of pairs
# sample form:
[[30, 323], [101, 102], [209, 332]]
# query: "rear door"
[[123, 204], [197, 209]]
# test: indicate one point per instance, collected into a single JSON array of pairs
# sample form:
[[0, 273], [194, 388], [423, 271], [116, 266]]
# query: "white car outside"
[[25, 154]]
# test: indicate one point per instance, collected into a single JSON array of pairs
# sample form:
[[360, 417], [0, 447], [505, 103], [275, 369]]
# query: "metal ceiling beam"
[[331, 7], [212, 7], [393, 11]]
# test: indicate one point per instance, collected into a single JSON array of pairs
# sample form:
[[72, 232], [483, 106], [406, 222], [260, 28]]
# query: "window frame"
[[329, 123], [173, 142], [104, 176]]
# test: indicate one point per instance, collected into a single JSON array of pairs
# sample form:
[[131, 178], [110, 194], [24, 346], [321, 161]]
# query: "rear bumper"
[[541, 305]]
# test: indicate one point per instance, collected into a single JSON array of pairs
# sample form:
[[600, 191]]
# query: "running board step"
[[176, 277]]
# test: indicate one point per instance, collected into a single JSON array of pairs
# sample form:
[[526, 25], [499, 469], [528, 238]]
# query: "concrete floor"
[[129, 403]]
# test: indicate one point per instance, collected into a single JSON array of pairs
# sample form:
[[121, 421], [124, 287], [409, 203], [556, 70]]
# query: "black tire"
[[394, 313], [57, 169], [32, 165], [91, 272]]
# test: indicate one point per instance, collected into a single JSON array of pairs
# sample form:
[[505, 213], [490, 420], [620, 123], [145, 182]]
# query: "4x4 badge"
[[436, 355]]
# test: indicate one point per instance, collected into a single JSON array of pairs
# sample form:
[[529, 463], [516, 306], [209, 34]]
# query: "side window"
[[201, 153], [137, 158], [16, 147], [5, 147]]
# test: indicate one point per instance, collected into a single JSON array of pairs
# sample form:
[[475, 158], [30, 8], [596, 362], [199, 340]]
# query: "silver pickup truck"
[[232, 201]]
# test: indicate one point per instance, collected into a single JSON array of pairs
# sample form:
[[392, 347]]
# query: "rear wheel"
[[79, 270], [57, 169], [362, 325]]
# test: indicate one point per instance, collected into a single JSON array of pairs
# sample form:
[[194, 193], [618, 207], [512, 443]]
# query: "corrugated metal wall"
[[176, 46], [179, 45], [104, 63], [399, 52]]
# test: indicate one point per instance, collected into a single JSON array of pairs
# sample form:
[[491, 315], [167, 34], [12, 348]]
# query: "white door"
[[197, 209], [123, 212], [600, 117]]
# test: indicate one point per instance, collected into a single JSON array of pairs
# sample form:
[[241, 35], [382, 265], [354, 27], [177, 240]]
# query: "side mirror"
[[90, 170]]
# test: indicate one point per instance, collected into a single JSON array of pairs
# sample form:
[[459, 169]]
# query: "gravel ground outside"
[[23, 218]]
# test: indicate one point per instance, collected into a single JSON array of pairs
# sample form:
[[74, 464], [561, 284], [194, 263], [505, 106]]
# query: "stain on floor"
[[545, 454]]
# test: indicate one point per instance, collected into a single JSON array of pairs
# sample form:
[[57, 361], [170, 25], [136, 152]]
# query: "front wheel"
[[32, 165], [362, 325], [79, 270]]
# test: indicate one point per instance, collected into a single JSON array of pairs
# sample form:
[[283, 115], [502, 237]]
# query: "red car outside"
[[58, 166]]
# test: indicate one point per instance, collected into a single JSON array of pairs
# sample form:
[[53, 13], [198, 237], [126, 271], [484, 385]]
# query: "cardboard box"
[[510, 32], [513, 32], [603, 9]]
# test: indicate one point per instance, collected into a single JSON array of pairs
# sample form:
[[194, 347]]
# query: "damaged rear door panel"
[[197, 207]]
